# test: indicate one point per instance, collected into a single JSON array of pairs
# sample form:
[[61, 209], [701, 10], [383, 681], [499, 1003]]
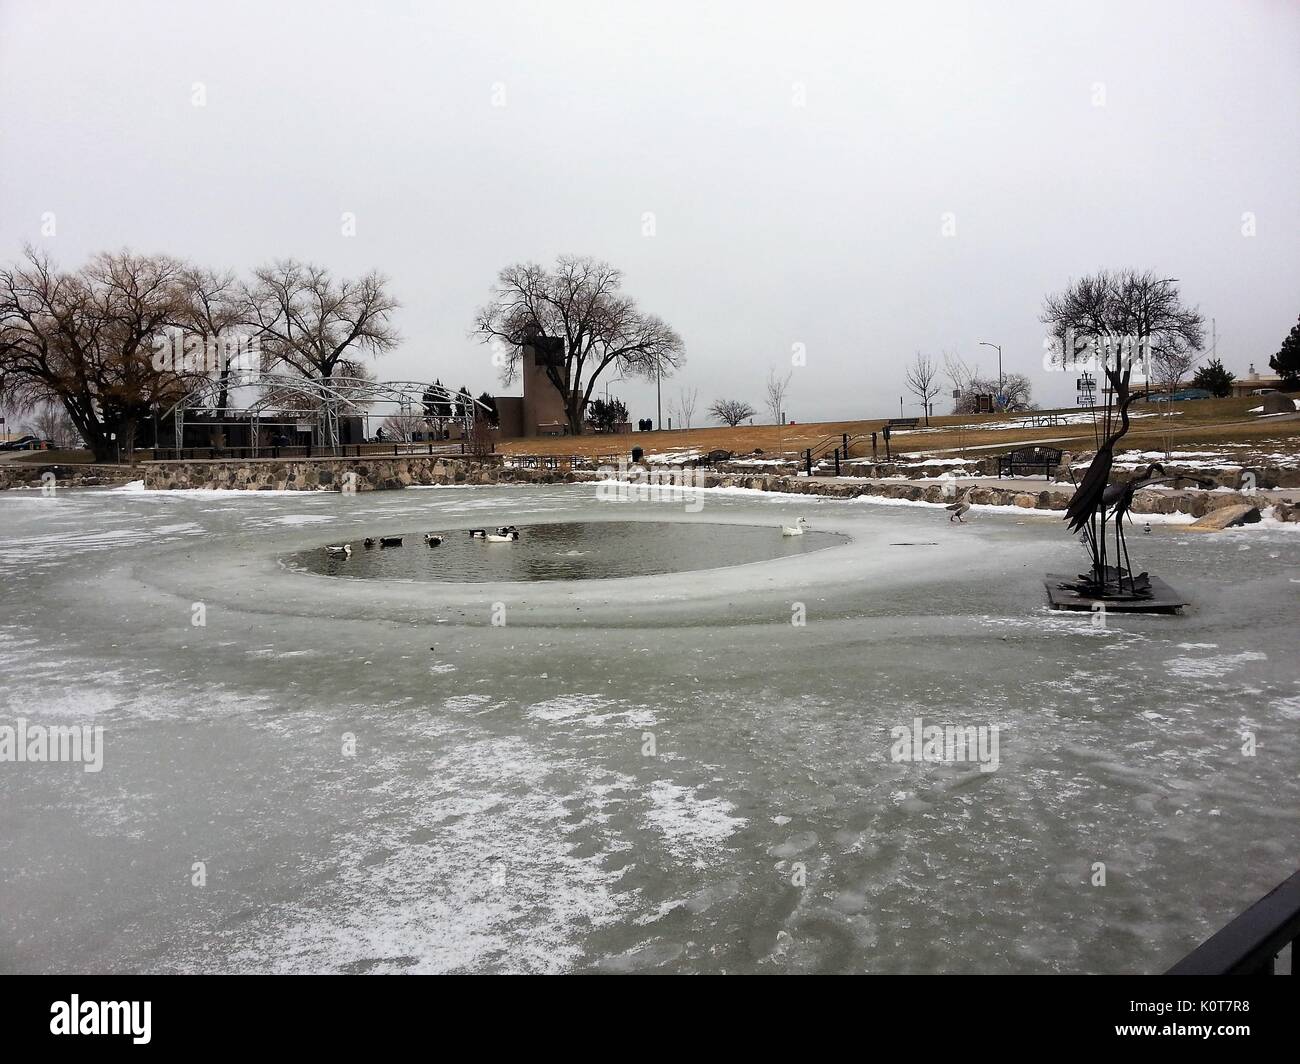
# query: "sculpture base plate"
[[1163, 598]]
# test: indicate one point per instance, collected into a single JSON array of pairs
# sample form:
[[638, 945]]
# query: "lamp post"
[[659, 397], [985, 343]]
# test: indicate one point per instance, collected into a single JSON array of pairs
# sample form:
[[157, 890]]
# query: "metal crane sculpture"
[[1117, 502], [1114, 502], [1117, 319]]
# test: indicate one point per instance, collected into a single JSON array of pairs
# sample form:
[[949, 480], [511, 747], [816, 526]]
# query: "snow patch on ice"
[[1214, 665], [694, 828]]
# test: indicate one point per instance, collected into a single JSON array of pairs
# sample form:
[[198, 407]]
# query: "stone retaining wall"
[[342, 474], [30, 475], [1194, 503], [1266, 476]]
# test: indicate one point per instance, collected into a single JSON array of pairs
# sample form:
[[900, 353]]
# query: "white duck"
[[797, 530], [341, 551], [501, 537]]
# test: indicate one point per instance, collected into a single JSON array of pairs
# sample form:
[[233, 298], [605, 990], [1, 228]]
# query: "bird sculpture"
[[1086, 500], [1117, 503]]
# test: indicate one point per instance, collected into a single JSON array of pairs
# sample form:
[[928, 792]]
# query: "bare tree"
[[969, 384], [481, 440], [213, 309], [1113, 321], [1120, 319], [684, 407], [317, 325], [731, 411], [404, 426], [922, 381], [1170, 367], [86, 340], [777, 386], [580, 305], [51, 422]]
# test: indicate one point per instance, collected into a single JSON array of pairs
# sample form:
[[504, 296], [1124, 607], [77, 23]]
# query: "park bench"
[[1028, 461], [903, 422]]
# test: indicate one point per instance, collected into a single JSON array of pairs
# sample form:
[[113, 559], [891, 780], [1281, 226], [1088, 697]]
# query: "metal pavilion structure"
[[320, 402]]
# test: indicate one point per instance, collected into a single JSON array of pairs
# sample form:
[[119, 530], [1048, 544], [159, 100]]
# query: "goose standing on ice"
[[341, 551], [432, 540], [798, 528], [960, 506]]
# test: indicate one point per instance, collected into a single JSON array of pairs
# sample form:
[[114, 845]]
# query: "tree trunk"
[[126, 438], [102, 449], [574, 410]]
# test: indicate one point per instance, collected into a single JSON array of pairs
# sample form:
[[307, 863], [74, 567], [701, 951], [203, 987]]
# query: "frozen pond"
[[564, 550], [687, 771]]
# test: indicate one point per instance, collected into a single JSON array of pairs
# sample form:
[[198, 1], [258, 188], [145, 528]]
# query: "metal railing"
[[562, 461], [1251, 943], [827, 448], [346, 450]]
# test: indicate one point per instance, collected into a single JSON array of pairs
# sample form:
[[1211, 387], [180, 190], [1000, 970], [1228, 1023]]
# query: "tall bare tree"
[[214, 310], [1121, 319], [684, 407], [923, 381], [51, 422], [1169, 368], [316, 324], [777, 386], [1116, 320], [579, 303], [86, 340], [731, 411]]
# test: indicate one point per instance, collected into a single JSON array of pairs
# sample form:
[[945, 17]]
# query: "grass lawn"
[[1194, 425], [1201, 422]]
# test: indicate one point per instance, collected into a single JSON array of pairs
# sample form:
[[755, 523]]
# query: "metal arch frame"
[[332, 396]]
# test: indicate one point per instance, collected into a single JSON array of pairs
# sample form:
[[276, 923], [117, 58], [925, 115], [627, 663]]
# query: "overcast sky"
[[799, 160]]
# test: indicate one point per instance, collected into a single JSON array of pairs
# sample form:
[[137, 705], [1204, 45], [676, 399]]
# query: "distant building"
[[1252, 381], [540, 411]]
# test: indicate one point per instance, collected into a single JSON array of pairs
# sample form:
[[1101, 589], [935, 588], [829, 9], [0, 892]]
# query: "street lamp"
[[659, 396], [985, 343], [607, 384]]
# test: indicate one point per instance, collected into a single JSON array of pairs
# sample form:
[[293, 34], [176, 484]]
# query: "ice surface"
[[629, 774]]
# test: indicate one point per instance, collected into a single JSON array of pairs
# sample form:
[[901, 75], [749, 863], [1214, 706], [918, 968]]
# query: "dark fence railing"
[[1250, 945], [347, 450], [559, 461], [840, 448]]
